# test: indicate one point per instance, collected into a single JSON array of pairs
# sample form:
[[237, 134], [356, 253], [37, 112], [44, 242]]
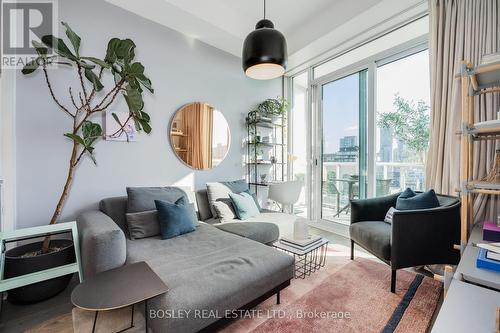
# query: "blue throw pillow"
[[244, 205], [423, 200], [175, 218], [408, 193]]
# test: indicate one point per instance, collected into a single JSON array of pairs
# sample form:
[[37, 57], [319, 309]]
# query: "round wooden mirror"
[[200, 135]]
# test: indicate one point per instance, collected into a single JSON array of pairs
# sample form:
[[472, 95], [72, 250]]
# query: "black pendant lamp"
[[264, 51]]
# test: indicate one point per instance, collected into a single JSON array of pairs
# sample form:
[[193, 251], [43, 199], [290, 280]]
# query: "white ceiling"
[[225, 23]]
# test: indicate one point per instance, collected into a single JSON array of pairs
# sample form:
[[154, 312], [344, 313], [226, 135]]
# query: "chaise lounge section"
[[208, 269]]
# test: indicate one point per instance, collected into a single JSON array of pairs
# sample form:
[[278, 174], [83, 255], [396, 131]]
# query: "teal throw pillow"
[[175, 218], [244, 205]]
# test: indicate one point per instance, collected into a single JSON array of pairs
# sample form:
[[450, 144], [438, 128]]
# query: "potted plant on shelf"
[[270, 110], [91, 100]]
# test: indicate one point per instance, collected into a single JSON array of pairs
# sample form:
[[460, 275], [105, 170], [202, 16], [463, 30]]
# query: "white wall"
[[182, 70], [7, 149]]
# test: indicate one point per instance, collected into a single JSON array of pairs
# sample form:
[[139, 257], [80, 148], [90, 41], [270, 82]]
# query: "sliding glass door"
[[403, 123], [300, 143], [342, 162], [359, 132]]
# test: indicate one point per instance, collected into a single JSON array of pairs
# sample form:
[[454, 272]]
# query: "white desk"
[[467, 269], [470, 308], [467, 308]]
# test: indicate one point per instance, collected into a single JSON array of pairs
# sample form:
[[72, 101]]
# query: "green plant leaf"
[[110, 52], [125, 50], [145, 82], [90, 75], [145, 116], [96, 61], [31, 66], [73, 38], [145, 125], [134, 84], [75, 137], [136, 69], [137, 125], [134, 100], [85, 64], [58, 46], [115, 117], [91, 132], [40, 48]]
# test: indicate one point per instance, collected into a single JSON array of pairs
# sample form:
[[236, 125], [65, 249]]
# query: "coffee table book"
[[300, 242]]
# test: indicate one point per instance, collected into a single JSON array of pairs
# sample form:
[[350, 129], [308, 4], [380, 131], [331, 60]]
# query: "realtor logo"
[[21, 23]]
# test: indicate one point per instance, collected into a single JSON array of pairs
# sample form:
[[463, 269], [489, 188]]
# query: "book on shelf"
[[493, 247], [493, 256], [484, 261], [491, 231]]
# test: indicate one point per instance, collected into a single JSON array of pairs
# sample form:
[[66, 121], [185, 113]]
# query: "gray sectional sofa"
[[222, 265]]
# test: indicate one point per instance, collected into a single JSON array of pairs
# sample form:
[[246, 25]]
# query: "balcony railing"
[[340, 184]]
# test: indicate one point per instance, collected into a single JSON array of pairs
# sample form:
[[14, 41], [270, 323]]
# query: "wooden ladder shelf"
[[483, 79]]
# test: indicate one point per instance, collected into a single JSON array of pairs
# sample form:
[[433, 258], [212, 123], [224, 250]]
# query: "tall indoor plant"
[[88, 101]]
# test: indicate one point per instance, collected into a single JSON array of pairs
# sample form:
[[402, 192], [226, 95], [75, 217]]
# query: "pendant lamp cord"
[[264, 9]]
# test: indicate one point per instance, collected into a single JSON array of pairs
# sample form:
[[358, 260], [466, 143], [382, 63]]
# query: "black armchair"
[[416, 237]]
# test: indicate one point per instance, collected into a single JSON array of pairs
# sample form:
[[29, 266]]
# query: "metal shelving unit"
[[277, 131], [479, 80]]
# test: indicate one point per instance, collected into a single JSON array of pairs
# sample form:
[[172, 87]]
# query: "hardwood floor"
[[20, 318]]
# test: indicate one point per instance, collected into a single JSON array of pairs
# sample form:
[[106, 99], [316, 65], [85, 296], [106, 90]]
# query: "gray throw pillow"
[[143, 224], [224, 209], [217, 191], [141, 199]]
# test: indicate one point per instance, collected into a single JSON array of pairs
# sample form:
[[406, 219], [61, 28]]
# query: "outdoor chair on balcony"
[[415, 237]]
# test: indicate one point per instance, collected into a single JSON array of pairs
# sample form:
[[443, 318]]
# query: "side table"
[[119, 288], [306, 261]]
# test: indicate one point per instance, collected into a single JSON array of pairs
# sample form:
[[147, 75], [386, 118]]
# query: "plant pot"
[[15, 265]]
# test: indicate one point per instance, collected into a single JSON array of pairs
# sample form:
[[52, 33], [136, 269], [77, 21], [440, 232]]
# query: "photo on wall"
[[112, 128]]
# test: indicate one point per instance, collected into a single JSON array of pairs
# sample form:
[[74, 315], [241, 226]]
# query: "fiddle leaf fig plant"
[[91, 98]]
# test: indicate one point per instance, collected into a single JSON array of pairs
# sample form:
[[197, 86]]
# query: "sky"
[[408, 76]]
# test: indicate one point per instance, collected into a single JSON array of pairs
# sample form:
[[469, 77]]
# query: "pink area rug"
[[347, 296]]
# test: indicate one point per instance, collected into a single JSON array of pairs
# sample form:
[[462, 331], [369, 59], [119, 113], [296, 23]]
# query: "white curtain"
[[461, 30]]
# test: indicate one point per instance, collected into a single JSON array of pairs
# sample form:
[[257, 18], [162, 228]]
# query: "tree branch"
[[114, 92], [121, 130], [84, 89], [81, 98], [52, 93], [73, 100], [79, 157]]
